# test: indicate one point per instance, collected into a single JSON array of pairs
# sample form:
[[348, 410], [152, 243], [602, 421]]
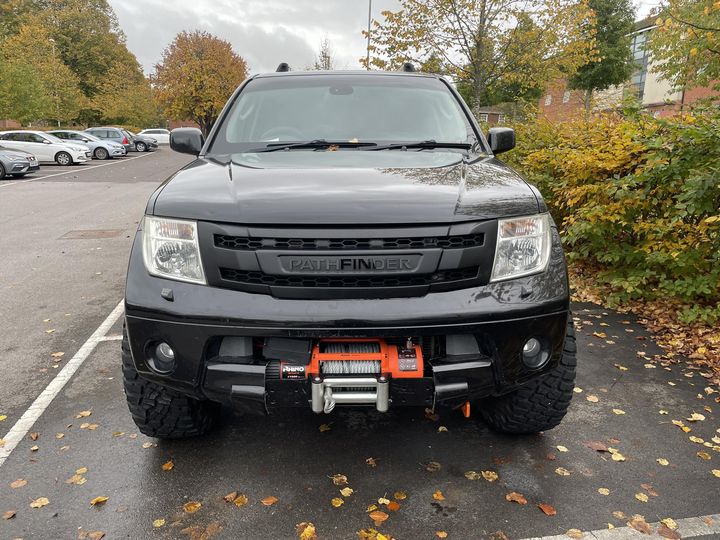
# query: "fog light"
[[532, 354], [163, 360]]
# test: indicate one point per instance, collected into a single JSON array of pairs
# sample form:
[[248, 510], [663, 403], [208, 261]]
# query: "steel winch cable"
[[360, 347], [350, 367]]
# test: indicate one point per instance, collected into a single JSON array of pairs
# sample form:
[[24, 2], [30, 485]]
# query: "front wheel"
[[101, 153], [141, 147], [542, 403], [63, 158], [161, 412]]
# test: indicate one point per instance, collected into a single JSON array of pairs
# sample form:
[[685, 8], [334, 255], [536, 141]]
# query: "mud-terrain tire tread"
[[541, 404], [162, 412]]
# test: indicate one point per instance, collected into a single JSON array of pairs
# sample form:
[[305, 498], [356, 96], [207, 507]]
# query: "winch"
[[358, 371]]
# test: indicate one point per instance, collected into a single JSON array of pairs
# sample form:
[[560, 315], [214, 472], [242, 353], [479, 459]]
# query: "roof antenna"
[[408, 67], [283, 67]]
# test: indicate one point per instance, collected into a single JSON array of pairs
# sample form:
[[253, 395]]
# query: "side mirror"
[[187, 140], [501, 139], [45, 141], [85, 140]]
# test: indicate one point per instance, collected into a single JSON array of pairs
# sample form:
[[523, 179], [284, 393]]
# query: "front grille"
[[259, 278], [244, 243]]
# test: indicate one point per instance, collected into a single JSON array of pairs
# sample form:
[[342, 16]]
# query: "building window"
[[484, 117], [640, 55], [501, 118], [548, 100], [566, 96]]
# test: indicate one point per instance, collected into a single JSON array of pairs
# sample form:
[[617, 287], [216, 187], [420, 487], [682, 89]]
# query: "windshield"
[[355, 109], [89, 137], [54, 139]]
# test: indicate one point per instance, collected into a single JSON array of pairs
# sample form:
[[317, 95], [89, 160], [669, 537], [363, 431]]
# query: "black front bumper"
[[502, 317]]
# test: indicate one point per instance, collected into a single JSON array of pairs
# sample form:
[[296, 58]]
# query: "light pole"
[[367, 60], [56, 97]]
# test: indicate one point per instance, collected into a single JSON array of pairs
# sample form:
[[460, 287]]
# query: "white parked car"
[[45, 147], [162, 136]]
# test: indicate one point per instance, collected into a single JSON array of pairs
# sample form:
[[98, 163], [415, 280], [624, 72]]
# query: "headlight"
[[523, 247], [170, 249]]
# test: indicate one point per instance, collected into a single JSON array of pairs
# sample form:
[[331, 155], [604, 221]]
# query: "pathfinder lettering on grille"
[[340, 265]]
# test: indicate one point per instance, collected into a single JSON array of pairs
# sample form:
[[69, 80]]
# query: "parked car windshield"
[[53, 138], [377, 109]]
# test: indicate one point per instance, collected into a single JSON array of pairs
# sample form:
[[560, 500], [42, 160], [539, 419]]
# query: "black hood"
[[236, 193]]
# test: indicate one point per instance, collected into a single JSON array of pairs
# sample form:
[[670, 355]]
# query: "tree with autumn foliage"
[[686, 44], [488, 45], [196, 76]]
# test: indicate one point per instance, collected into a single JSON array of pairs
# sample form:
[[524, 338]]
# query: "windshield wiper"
[[316, 143], [422, 145]]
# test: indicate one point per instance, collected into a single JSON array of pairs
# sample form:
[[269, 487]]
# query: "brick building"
[[654, 94]]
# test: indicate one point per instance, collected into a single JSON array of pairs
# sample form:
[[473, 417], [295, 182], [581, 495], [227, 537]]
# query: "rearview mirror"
[[501, 139], [187, 140]]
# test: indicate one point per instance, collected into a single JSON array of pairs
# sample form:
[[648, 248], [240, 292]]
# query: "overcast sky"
[[264, 32]]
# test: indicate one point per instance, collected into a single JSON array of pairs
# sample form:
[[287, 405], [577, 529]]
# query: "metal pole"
[[367, 60]]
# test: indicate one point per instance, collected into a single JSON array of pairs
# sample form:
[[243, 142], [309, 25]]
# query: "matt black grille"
[[259, 278], [254, 244]]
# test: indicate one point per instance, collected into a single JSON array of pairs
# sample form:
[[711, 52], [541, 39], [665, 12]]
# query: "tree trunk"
[[587, 103]]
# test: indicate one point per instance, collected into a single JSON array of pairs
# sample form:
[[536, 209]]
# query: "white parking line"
[[82, 169], [13, 437], [688, 527]]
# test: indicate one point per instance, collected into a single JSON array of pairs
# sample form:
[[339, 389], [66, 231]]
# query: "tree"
[[55, 93], [487, 44], [196, 76], [686, 45], [135, 105], [324, 60], [614, 64]]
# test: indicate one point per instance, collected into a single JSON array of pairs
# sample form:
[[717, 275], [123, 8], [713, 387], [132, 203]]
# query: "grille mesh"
[[253, 244], [259, 278]]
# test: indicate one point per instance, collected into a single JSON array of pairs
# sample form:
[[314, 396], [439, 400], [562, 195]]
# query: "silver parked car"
[[101, 149], [16, 163]]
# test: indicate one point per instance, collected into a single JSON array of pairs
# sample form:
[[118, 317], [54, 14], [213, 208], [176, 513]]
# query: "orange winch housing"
[[389, 356]]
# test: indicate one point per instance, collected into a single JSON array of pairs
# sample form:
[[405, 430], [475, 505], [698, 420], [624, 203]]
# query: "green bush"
[[637, 199]]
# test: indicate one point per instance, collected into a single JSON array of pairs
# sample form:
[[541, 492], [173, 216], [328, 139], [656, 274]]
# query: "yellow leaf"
[[40, 502], [83, 414], [716, 472], [669, 523], [561, 448], [76, 479], [148, 445], [158, 523], [438, 496], [696, 417], [618, 411], [306, 531], [168, 465], [641, 497], [20, 482], [269, 501], [441, 534], [490, 476], [97, 501], [472, 475], [346, 492], [383, 500], [81, 470], [562, 471], [240, 501], [339, 479], [574, 533], [697, 440], [704, 455], [337, 501], [400, 495], [592, 398], [191, 507], [324, 427], [603, 491]]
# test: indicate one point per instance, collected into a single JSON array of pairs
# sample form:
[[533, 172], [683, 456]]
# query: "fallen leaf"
[[592, 398], [601, 335], [158, 523], [574, 533], [81, 470], [324, 427], [191, 507], [438, 496], [230, 497], [306, 531], [400, 495], [514, 496], [662, 461], [336, 502], [76, 479], [490, 476], [432, 466], [596, 445], [562, 471], [339, 479], [96, 535], [383, 500], [9, 514], [620, 367], [148, 445], [618, 411], [269, 501], [441, 534], [59, 435], [83, 414], [603, 491], [716, 472], [40, 502], [696, 417], [430, 415], [442, 429], [472, 475], [639, 524], [666, 532], [577, 390], [378, 517], [561, 448], [641, 497], [98, 501], [35, 448], [371, 462], [20, 482], [168, 465], [240, 501], [392, 505], [670, 523], [695, 439], [50, 331], [57, 354], [547, 509], [704, 455], [34, 436]]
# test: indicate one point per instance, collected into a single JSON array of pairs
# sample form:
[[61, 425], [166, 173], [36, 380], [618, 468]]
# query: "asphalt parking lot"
[[642, 437]]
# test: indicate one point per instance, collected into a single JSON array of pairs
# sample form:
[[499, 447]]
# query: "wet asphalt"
[[292, 456]]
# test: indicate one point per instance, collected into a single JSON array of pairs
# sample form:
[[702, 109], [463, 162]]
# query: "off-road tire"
[[539, 405], [161, 412]]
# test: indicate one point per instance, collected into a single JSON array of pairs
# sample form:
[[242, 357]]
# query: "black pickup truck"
[[346, 239]]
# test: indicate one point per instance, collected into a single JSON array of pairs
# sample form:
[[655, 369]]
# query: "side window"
[[62, 135], [32, 137], [548, 100]]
